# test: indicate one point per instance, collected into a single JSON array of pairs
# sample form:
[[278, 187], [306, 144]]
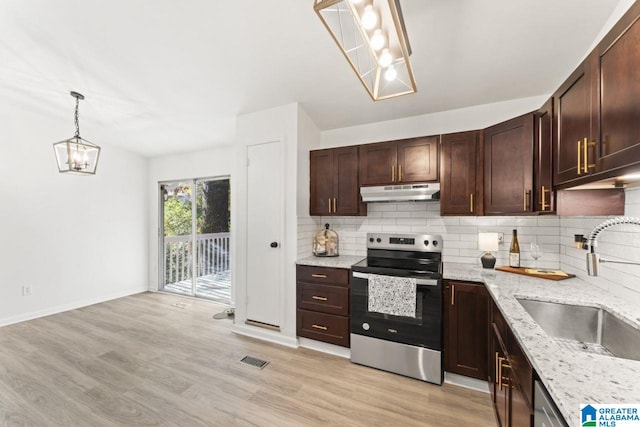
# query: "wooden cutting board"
[[522, 270]]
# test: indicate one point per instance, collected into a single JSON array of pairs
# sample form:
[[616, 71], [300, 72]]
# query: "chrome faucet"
[[593, 259]]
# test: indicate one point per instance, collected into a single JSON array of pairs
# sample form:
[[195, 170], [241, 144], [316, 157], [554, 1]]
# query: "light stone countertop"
[[342, 261], [571, 377]]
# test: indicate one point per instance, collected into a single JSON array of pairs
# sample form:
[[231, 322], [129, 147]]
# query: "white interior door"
[[264, 232]]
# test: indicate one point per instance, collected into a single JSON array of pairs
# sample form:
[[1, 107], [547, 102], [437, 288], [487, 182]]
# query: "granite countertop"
[[342, 261], [572, 377]]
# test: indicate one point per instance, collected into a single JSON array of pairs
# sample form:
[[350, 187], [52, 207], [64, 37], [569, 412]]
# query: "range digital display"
[[402, 241]]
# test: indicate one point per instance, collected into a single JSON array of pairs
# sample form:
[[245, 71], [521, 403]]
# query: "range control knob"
[[426, 243], [365, 326], [435, 243], [378, 240], [371, 239]]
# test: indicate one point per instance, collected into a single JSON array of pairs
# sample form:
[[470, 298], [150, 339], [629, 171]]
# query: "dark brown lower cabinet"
[[510, 375], [323, 304], [465, 328]]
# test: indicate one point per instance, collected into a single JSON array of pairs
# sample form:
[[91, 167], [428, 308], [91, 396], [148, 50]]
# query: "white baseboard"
[[69, 306], [265, 335], [466, 382], [324, 347]]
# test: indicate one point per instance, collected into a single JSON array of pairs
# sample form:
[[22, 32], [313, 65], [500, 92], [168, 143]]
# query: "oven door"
[[424, 330]]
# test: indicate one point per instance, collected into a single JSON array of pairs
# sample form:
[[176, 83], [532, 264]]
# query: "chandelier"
[[77, 155], [372, 36]]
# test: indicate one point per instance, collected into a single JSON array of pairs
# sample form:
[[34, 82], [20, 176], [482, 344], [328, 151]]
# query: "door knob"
[[274, 244]]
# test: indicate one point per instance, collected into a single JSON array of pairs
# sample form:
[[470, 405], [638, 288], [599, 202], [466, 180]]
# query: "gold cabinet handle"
[[324, 328], [329, 204], [497, 368], [544, 200], [453, 294], [319, 298], [393, 173], [399, 173], [319, 276], [588, 165], [335, 205], [586, 156], [471, 202], [579, 163], [501, 365]]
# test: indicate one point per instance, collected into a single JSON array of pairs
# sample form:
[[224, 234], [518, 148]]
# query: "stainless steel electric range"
[[396, 306]]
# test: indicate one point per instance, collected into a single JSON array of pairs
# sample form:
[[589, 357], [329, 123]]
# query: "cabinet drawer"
[[334, 276], [323, 298], [323, 327]]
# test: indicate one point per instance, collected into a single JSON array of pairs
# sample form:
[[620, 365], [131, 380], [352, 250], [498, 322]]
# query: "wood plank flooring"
[[140, 361]]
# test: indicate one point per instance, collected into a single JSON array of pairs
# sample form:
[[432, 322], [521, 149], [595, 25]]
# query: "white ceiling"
[[163, 76]]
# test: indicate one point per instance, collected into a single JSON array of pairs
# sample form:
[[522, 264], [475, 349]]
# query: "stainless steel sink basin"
[[583, 328]]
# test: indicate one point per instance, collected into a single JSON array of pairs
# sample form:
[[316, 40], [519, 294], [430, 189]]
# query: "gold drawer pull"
[[400, 173], [323, 328], [544, 200], [319, 276], [471, 202], [319, 298]]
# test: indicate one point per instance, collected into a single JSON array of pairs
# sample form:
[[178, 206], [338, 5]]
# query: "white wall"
[[76, 240], [470, 118], [215, 162]]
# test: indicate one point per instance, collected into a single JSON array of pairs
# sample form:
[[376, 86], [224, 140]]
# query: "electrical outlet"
[[500, 238], [27, 290]]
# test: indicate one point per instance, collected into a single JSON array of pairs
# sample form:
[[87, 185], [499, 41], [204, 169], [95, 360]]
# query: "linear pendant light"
[[76, 155], [372, 36]]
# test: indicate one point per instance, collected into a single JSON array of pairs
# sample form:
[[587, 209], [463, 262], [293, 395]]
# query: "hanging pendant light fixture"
[[372, 36], [77, 155]]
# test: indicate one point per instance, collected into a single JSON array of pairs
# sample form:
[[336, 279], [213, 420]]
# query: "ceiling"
[[165, 76]]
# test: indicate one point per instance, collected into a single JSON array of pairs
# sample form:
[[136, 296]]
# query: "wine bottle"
[[514, 251]]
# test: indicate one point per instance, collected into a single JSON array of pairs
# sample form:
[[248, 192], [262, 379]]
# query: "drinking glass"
[[536, 252]]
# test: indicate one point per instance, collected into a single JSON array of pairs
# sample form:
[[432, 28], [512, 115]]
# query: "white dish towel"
[[392, 295]]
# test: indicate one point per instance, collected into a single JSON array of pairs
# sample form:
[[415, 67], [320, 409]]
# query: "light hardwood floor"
[[141, 361]]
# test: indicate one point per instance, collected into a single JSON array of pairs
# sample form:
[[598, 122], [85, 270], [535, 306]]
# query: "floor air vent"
[[181, 305], [258, 363]]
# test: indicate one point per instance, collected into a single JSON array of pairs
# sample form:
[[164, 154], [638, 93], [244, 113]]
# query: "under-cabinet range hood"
[[401, 193]]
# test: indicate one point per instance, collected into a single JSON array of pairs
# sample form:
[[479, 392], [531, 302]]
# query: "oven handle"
[[420, 282]]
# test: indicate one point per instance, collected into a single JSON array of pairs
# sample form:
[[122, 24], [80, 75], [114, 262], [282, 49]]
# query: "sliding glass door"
[[194, 243]]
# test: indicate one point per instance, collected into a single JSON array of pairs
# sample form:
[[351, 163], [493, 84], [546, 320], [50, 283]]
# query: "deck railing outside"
[[212, 256]]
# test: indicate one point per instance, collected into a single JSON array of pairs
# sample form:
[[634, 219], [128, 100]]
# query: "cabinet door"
[[346, 190], [521, 415], [466, 326], [618, 61], [417, 160], [508, 167], [378, 163], [497, 384], [460, 164], [573, 111], [543, 195], [321, 170]]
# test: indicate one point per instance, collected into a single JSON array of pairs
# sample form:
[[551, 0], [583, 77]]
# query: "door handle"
[[274, 244]]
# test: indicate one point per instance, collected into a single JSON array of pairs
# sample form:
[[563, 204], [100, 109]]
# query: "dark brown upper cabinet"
[[618, 62], [508, 168], [543, 194], [573, 141], [399, 162], [461, 174], [597, 110], [334, 182]]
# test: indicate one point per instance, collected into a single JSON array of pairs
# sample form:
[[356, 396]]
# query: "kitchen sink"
[[587, 329]]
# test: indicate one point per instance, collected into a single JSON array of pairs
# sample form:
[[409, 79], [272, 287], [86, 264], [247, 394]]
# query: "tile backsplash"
[[460, 235]]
